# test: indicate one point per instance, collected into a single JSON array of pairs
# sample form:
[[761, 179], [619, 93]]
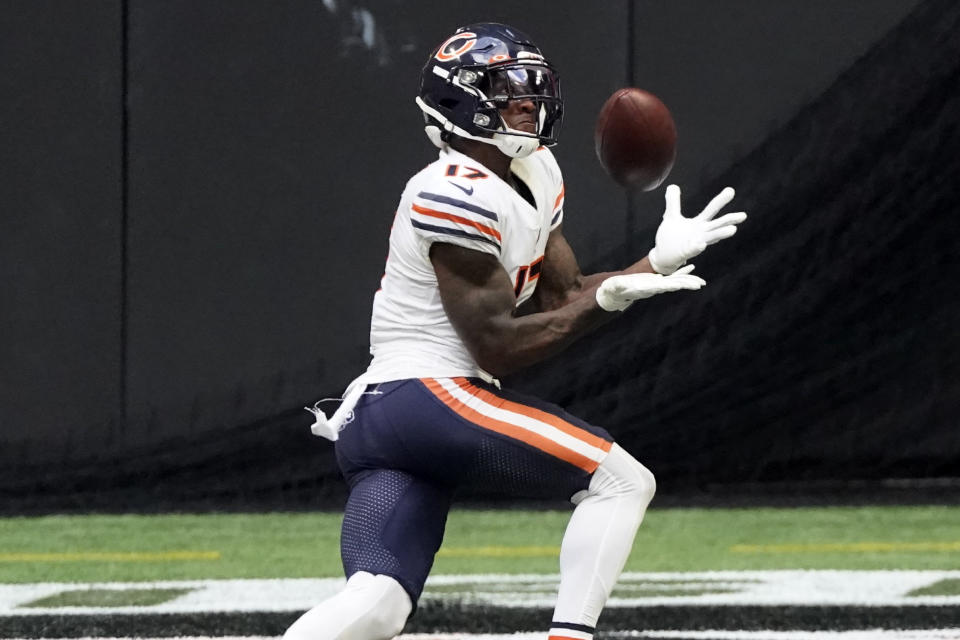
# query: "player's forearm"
[[586, 285], [512, 343], [640, 266]]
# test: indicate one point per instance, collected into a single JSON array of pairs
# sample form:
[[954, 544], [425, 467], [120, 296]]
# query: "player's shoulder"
[[457, 176], [545, 156], [447, 202]]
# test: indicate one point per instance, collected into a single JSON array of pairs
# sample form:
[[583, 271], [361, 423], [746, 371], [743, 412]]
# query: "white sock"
[[368, 608], [598, 540]]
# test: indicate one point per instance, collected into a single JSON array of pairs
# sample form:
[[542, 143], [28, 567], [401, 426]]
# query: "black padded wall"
[[61, 229], [734, 72]]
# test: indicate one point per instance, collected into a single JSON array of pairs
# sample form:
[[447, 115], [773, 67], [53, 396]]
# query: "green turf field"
[[291, 545]]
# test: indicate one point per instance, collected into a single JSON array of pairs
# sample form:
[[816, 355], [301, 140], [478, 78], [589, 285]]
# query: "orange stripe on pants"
[[513, 431], [537, 414]]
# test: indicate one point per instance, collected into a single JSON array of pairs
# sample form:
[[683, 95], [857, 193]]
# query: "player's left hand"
[[680, 238], [616, 293]]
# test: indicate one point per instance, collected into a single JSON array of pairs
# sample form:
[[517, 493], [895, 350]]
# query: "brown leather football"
[[636, 139]]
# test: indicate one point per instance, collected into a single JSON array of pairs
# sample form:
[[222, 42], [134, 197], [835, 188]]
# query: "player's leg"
[[394, 520], [536, 448], [369, 607], [392, 527], [598, 541]]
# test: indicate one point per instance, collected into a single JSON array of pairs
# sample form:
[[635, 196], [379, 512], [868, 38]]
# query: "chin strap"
[[436, 136], [515, 146], [511, 142]]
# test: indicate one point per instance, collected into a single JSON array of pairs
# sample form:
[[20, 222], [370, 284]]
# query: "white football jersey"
[[459, 201]]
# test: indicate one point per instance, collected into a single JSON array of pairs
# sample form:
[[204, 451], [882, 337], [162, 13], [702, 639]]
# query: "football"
[[636, 139]]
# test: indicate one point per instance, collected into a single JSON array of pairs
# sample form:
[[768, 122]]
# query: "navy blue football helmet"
[[474, 73]]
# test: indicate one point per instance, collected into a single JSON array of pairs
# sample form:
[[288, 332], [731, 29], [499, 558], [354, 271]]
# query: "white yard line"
[[840, 588]]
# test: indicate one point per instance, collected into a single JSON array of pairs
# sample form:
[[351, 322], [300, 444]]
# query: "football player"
[[479, 283]]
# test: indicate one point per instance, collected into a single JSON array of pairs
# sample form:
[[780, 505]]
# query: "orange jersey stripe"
[[554, 421], [449, 216], [517, 433], [556, 204]]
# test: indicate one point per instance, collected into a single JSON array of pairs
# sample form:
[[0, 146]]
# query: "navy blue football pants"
[[413, 443]]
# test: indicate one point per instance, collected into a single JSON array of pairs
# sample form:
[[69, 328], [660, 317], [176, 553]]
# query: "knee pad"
[[389, 607], [620, 475], [370, 607]]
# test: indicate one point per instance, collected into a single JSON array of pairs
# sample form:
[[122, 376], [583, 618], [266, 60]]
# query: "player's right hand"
[[616, 293], [680, 238]]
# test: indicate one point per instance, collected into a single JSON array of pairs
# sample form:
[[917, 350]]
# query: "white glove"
[[679, 238], [616, 293]]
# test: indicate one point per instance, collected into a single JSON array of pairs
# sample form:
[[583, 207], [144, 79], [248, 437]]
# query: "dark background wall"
[[734, 72], [824, 351], [199, 196], [61, 235]]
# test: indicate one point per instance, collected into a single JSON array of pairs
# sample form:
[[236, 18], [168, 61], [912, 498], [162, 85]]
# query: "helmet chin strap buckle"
[[515, 144]]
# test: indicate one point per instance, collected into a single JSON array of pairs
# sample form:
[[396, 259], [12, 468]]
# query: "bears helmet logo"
[[446, 51]]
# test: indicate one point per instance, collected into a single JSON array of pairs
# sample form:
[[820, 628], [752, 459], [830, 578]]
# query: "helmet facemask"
[[497, 85]]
